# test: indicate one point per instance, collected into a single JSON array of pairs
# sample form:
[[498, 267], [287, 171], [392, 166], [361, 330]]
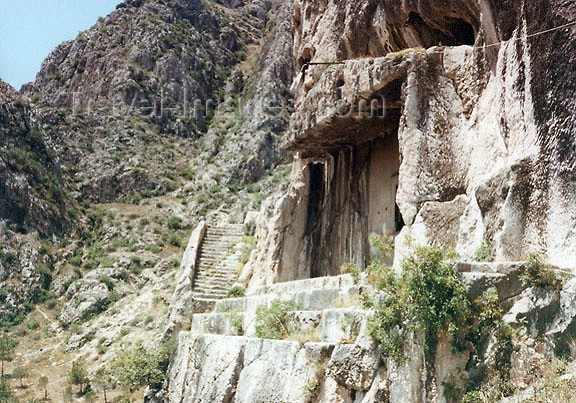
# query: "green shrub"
[[250, 228], [428, 298], [352, 269], [107, 281], [485, 252], [174, 223], [236, 291], [32, 324], [101, 349], [175, 240], [76, 261], [141, 366], [51, 303], [275, 322], [538, 274], [75, 328], [236, 323], [43, 250], [136, 264], [5, 390], [248, 245], [188, 174]]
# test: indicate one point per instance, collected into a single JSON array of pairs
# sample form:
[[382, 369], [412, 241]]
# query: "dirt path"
[[45, 315]]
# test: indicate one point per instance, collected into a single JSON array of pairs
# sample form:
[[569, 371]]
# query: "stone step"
[[220, 273], [218, 269], [222, 278], [219, 242], [223, 291], [205, 296], [312, 299], [221, 232], [224, 248], [221, 237], [210, 295], [212, 265], [218, 247], [211, 238], [341, 281], [223, 285], [212, 260], [211, 290], [334, 325], [216, 252], [210, 280], [283, 369], [220, 254]]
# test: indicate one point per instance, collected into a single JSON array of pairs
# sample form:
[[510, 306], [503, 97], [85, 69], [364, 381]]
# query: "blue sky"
[[30, 29]]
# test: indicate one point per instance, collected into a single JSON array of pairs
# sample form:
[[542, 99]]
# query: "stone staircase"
[[327, 356], [217, 265], [238, 366], [326, 310]]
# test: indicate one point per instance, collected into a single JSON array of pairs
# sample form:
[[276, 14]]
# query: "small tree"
[[104, 382], [5, 390], [7, 346], [140, 367], [20, 373], [78, 376], [43, 383], [68, 395]]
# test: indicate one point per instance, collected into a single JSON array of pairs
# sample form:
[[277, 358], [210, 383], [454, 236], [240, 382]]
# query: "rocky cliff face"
[[475, 136], [329, 357], [431, 122]]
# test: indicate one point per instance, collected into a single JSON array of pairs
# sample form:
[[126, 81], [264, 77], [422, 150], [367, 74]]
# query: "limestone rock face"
[[481, 156], [88, 296], [31, 183]]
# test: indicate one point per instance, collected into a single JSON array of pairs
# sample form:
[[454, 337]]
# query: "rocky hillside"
[[153, 73], [422, 248]]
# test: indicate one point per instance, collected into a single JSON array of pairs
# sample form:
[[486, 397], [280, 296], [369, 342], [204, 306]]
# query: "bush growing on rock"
[[538, 274], [274, 321], [236, 291], [427, 298], [484, 253]]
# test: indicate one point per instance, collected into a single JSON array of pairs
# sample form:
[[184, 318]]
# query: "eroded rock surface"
[[475, 137]]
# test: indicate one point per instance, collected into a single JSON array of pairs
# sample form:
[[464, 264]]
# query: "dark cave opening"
[[315, 203], [453, 31], [462, 32], [398, 219]]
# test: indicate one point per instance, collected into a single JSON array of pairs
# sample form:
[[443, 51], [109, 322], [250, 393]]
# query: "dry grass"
[[404, 52]]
